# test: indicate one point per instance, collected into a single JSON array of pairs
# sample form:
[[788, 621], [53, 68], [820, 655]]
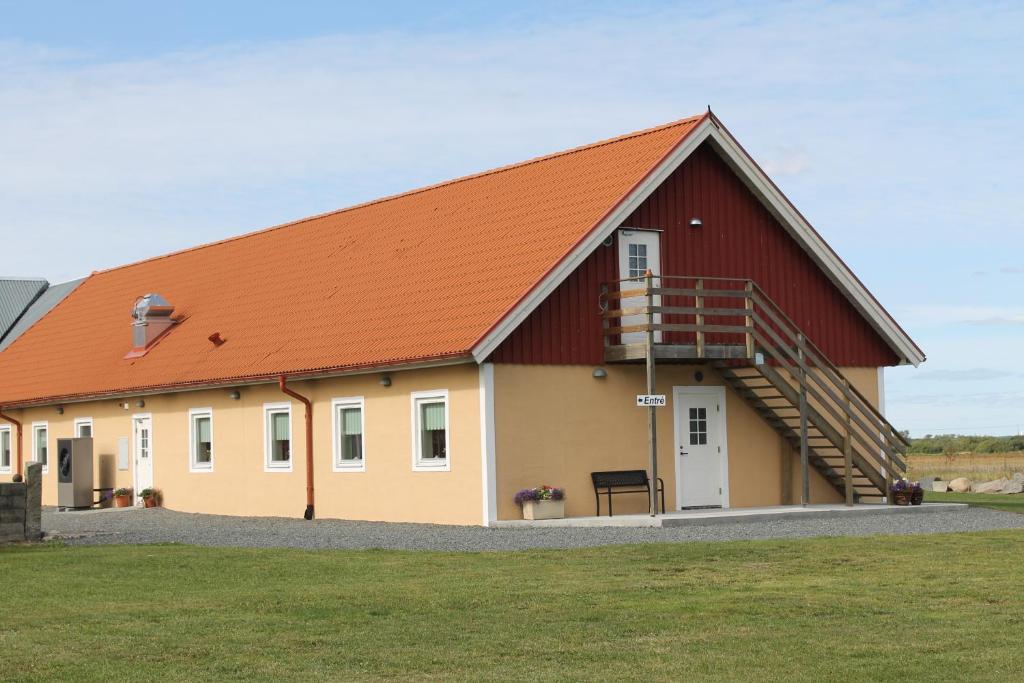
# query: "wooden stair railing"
[[735, 326]]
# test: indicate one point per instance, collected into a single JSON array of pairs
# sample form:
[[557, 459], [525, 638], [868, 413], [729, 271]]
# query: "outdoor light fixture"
[[140, 403], [385, 381], [60, 410], [235, 394], [698, 376], [696, 222], [600, 373]]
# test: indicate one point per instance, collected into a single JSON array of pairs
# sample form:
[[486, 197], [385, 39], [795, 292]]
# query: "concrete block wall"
[[21, 507]]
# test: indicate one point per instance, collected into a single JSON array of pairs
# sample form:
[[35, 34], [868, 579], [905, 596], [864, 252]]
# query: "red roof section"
[[414, 277]]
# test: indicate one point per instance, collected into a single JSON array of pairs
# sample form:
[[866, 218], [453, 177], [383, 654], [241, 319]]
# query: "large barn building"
[[456, 343]]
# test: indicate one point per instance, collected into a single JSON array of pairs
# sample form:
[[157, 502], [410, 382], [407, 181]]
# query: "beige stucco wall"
[[388, 490], [556, 424]]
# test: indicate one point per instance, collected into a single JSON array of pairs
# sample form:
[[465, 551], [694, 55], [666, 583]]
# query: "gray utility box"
[[74, 472]]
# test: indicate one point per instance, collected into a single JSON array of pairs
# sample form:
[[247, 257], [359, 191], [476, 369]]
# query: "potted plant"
[[150, 497], [122, 498], [906, 492], [543, 502]]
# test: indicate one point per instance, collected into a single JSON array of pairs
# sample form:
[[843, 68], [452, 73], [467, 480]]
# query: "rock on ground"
[[994, 486], [960, 485]]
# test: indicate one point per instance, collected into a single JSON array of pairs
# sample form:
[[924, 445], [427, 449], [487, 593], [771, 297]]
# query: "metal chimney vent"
[[152, 315]]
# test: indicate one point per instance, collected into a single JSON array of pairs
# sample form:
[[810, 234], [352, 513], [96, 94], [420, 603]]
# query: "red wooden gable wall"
[[740, 239]]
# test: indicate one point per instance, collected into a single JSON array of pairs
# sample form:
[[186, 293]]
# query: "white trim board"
[[487, 456], [773, 199]]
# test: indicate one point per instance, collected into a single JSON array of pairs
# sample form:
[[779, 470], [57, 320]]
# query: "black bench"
[[623, 481]]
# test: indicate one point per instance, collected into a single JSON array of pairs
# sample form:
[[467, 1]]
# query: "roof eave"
[[459, 358]]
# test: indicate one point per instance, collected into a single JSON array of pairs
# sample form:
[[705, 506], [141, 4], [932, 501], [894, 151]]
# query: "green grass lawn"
[[1010, 503], [884, 608]]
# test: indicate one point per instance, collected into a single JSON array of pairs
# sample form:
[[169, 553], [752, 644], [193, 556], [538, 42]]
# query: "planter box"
[[543, 509]]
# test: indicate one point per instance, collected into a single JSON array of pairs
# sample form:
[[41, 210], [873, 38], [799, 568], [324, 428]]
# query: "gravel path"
[[158, 525]]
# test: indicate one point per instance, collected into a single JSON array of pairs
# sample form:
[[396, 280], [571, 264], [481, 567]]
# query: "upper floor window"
[[277, 418], [430, 430], [637, 260], [348, 434], [201, 439]]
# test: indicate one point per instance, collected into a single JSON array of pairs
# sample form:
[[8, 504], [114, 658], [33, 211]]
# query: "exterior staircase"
[[766, 359]]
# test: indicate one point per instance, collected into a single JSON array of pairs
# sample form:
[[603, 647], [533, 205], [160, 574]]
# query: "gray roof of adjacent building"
[[23, 301], [17, 294]]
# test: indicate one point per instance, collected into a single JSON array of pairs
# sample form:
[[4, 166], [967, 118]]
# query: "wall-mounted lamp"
[[235, 394], [698, 376], [60, 410], [140, 403], [599, 373], [696, 222], [385, 381], [608, 241]]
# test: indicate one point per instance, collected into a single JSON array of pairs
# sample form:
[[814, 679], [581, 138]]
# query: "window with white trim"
[[40, 432], [200, 440], [430, 430], [83, 426], [277, 429], [349, 434], [637, 260], [5, 449]]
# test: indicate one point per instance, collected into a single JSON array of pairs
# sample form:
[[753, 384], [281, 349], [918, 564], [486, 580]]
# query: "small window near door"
[[430, 430], [278, 426], [637, 260], [348, 434], [39, 439], [5, 449], [83, 426], [698, 426], [201, 439]]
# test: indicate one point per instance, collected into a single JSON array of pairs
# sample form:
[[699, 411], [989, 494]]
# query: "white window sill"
[[278, 468], [356, 466], [194, 469], [431, 467]]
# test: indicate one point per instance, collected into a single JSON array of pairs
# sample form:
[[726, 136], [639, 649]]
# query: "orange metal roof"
[[414, 277]]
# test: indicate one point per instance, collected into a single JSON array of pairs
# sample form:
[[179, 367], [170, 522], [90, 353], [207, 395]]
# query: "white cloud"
[[970, 375]]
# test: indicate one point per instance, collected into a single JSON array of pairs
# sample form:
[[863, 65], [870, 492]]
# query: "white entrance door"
[[701, 456], [638, 251], [142, 438]]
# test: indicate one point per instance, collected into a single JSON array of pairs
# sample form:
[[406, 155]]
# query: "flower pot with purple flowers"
[[904, 492], [543, 502]]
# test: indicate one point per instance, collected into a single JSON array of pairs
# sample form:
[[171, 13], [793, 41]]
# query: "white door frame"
[[718, 392], [134, 451]]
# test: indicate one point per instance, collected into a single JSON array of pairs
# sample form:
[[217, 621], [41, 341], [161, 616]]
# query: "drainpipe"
[[17, 429], [309, 445]]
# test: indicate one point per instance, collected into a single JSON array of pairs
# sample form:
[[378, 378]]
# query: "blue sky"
[[130, 129]]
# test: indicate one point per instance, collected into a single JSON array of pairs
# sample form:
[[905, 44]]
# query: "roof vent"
[[152, 318]]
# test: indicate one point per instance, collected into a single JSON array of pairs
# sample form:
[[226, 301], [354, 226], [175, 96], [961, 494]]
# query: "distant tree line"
[[932, 444]]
